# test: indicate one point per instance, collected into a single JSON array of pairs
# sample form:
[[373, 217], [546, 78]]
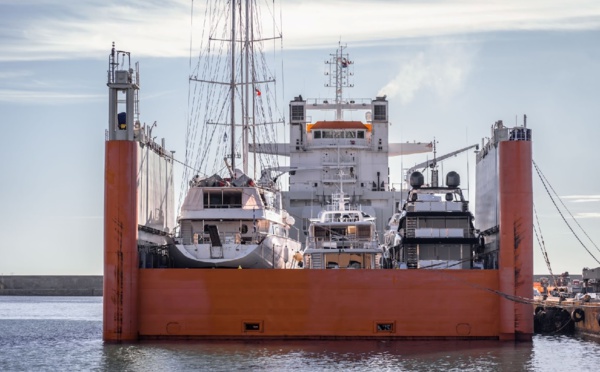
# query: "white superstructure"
[[319, 150]]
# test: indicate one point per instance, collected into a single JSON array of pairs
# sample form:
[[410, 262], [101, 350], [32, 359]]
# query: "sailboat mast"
[[246, 88], [253, 69], [232, 85]]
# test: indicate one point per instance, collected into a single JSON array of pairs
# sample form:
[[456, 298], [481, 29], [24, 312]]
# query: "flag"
[[257, 92]]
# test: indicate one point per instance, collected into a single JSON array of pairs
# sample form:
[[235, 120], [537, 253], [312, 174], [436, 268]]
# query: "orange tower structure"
[[120, 207], [516, 239], [505, 217]]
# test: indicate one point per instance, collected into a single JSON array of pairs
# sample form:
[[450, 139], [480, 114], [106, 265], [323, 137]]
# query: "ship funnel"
[[416, 180], [452, 179]]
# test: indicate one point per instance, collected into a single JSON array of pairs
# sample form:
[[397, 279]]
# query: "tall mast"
[[246, 89], [232, 85], [253, 69]]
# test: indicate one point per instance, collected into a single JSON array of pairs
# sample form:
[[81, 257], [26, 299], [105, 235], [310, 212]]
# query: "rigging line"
[[561, 214], [542, 244], [563, 204], [192, 129], [187, 166], [514, 298]]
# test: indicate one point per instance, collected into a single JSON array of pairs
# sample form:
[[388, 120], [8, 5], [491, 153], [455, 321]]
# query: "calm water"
[[65, 334]]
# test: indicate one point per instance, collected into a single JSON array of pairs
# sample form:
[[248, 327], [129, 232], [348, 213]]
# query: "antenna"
[[339, 76]]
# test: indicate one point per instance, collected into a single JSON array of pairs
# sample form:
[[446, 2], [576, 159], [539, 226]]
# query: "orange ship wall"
[[120, 318], [232, 304], [516, 239]]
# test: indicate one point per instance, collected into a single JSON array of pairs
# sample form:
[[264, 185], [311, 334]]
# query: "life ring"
[[578, 315]]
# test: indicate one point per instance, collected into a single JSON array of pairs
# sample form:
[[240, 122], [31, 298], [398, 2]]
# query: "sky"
[[450, 69]]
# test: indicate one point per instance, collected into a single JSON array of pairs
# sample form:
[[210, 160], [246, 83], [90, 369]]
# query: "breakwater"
[[50, 285]]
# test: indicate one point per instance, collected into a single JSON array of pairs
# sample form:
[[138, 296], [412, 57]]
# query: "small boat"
[[434, 229], [342, 237]]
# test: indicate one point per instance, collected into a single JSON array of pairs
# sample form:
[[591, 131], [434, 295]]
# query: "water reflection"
[[321, 355], [49, 334]]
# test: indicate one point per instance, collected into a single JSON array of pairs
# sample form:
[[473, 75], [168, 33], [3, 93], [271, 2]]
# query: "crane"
[[433, 162]]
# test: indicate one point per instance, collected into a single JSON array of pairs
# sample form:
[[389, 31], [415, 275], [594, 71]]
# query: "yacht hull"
[[272, 252]]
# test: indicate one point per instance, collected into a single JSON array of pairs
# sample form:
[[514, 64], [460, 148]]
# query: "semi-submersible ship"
[[148, 295]]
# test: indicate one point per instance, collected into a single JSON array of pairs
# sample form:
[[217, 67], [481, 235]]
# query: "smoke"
[[443, 70]]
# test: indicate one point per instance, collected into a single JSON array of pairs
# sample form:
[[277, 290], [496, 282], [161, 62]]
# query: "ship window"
[[379, 112], [350, 134], [317, 134], [364, 231], [338, 134], [233, 199], [327, 134], [244, 229], [360, 134], [321, 232], [221, 199], [297, 112]]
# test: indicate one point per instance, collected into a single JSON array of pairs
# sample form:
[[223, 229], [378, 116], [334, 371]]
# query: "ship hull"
[[271, 253], [318, 304]]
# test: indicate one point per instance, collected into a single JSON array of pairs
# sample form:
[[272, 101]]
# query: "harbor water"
[[65, 334]]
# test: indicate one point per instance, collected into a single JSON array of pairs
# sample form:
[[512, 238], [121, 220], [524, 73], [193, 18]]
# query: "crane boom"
[[433, 162]]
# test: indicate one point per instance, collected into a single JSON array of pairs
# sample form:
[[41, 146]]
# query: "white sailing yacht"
[[232, 219]]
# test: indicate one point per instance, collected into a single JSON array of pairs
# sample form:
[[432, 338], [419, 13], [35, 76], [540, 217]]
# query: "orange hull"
[[120, 242], [183, 303], [516, 238]]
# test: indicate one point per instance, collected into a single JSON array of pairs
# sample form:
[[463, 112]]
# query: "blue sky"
[[450, 69]]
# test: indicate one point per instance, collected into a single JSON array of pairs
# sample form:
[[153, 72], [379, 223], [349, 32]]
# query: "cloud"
[[10, 75], [442, 69], [46, 97], [582, 198], [24, 86], [45, 30], [588, 215]]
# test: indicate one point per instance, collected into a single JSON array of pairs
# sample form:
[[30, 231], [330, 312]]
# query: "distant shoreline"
[[51, 285]]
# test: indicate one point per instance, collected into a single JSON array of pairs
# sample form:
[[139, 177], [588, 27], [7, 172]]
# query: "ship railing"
[[297, 233], [229, 238], [342, 160], [519, 134], [366, 102], [222, 206], [431, 232], [345, 243], [337, 178], [339, 142]]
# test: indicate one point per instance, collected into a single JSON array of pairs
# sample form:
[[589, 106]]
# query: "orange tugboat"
[[146, 296]]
